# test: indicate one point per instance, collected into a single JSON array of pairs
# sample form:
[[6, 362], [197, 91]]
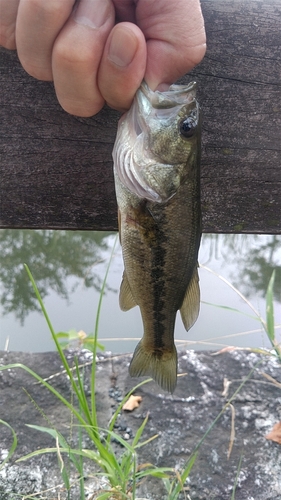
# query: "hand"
[[100, 50]]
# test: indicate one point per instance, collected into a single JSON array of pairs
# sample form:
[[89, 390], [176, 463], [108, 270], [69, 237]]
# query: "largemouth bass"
[[156, 168]]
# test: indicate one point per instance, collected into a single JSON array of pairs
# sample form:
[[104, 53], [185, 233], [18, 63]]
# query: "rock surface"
[[180, 420]]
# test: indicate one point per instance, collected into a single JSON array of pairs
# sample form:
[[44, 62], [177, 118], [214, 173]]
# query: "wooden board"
[[56, 169]]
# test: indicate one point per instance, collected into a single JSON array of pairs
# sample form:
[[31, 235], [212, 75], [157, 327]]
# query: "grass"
[[121, 469]]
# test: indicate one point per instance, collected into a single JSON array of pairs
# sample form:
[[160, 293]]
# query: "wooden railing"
[[56, 169]]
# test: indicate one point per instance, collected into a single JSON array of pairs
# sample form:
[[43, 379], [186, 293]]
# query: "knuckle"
[[68, 52], [50, 8]]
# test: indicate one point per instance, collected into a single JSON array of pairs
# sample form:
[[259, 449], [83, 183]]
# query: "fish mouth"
[[160, 105], [176, 95]]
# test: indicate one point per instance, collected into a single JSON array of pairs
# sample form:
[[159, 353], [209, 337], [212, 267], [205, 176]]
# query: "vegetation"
[[121, 469]]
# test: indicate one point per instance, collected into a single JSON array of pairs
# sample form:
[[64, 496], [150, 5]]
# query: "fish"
[[156, 163]]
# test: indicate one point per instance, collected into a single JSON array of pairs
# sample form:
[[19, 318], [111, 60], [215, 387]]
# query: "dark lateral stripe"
[[158, 281]]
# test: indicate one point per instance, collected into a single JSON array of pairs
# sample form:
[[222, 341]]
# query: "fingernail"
[[122, 47], [92, 13]]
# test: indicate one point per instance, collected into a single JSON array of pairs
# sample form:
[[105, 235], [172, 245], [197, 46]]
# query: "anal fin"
[[191, 302]]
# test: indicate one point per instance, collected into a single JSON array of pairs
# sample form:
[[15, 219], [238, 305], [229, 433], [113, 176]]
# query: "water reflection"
[[52, 257], [254, 259]]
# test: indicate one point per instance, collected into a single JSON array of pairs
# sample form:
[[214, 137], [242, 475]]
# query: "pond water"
[[69, 267]]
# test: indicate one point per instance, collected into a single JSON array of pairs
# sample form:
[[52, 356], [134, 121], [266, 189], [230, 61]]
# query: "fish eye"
[[188, 126]]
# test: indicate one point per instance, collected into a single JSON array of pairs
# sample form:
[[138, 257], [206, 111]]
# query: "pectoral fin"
[[191, 302], [126, 299]]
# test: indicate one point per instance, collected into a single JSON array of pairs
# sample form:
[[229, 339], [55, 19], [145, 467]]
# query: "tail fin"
[[163, 369]]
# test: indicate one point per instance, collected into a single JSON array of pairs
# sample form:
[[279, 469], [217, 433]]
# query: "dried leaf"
[[271, 379], [132, 403], [231, 348], [275, 434], [232, 434], [225, 349], [226, 385]]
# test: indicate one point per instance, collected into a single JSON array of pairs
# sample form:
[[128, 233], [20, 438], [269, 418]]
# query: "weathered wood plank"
[[56, 169]]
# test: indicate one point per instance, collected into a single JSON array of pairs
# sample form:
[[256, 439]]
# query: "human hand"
[[99, 51]]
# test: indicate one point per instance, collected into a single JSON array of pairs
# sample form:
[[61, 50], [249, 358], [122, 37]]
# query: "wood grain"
[[56, 169]]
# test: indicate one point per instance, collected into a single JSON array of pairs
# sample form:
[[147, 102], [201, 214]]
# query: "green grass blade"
[[63, 445], [236, 478], [120, 406], [105, 465], [13, 446], [270, 330], [50, 431], [114, 494], [148, 440], [159, 472], [49, 387], [59, 349], [93, 375], [84, 453], [105, 496], [232, 309], [270, 309], [80, 467], [121, 440], [62, 335], [59, 438], [188, 468], [83, 403], [139, 432], [238, 293], [183, 477]]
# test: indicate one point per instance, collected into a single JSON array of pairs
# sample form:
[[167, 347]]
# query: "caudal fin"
[[163, 369]]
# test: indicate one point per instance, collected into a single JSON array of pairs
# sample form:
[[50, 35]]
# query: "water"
[[69, 267]]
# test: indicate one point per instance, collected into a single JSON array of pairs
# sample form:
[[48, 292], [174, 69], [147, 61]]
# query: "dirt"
[[179, 420]]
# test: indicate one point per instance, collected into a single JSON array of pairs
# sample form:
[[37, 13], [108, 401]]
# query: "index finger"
[[8, 17]]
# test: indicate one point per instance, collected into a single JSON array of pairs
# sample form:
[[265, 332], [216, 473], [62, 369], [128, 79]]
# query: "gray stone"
[[180, 421]]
